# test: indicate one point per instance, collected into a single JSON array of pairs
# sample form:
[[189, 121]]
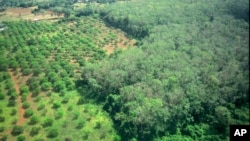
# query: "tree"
[[34, 130], [24, 89], [59, 86], [3, 64], [34, 120], [47, 122], [52, 133], [28, 113], [17, 130], [46, 86], [2, 96], [21, 138]]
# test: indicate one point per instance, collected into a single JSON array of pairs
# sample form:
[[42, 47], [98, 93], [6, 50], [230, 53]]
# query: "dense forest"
[[186, 77]]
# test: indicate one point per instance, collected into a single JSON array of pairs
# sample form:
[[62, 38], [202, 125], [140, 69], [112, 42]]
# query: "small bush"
[[24, 97], [11, 103], [26, 105], [48, 122], [4, 138], [70, 108], [98, 125], [21, 138], [17, 130], [52, 133], [28, 113], [40, 107], [56, 105], [2, 118], [1, 128], [34, 120], [13, 112], [37, 99], [14, 121], [59, 115], [65, 100], [81, 100], [34, 131], [67, 139], [2, 96], [80, 124]]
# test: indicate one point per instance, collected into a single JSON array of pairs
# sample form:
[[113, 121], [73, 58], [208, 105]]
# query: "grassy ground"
[[13, 14]]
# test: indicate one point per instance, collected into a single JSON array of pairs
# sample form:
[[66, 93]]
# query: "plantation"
[[123, 70]]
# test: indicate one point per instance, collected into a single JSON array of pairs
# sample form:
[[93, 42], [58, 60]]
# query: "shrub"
[[24, 97], [48, 122], [2, 96], [46, 86], [26, 105], [28, 113], [65, 100], [24, 89], [34, 120], [56, 105], [80, 124], [17, 130], [13, 112], [11, 103], [59, 115], [52, 133], [21, 138], [40, 107], [36, 92], [14, 121], [1, 128], [81, 101], [4, 138], [34, 131], [98, 125], [27, 71], [2, 119]]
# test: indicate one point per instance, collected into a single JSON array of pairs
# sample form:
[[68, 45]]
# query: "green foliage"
[[33, 120], [21, 138], [56, 105], [4, 138], [47, 122], [2, 96], [24, 89], [28, 113], [17, 130], [13, 112], [52, 133], [1, 129], [35, 131], [80, 124], [26, 105], [2, 119], [46, 86], [185, 74]]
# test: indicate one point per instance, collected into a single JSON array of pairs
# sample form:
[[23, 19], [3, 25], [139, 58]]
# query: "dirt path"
[[21, 111]]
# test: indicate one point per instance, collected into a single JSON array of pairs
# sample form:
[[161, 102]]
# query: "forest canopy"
[[189, 72]]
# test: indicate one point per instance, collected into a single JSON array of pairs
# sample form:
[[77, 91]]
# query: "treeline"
[[18, 3], [187, 80]]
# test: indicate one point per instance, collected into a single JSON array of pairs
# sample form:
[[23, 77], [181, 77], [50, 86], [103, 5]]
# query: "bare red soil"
[[21, 111]]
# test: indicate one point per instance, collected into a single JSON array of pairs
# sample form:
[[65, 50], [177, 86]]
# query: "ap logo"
[[239, 132]]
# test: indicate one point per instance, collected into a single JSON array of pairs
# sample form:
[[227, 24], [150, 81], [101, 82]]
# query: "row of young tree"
[[41, 48], [188, 78]]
